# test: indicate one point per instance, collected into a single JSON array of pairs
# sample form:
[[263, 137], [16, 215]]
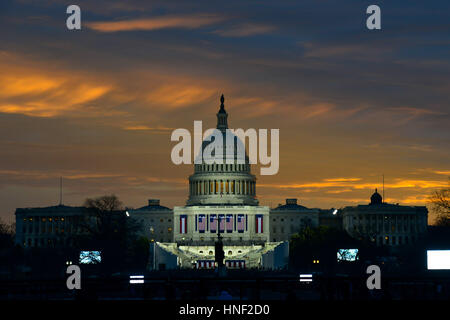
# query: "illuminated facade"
[[222, 199]]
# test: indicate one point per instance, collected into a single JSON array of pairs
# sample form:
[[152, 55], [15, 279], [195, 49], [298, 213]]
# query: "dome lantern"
[[376, 198], [222, 116]]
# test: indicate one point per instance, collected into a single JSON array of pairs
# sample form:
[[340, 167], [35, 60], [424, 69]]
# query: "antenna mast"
[[383, 187], [60, 191]]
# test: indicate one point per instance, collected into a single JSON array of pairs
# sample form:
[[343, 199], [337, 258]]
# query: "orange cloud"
[[349, 183], [146, 128], [342, 179], [180, 21], [180, 95], [444, 172], [35, 90], [419, 200]]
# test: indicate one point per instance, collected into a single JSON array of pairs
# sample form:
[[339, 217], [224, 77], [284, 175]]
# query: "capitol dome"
[[228, 183], [376, 198]]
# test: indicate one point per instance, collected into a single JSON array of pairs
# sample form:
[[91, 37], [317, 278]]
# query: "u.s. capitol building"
[[222, 199]]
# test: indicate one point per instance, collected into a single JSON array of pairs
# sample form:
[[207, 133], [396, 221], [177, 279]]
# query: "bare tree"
[[440, 201], [7, 234], [104, 203], [106, 228]]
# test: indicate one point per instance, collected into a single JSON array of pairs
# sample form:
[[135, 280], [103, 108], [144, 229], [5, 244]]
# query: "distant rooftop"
[[153, 205], [58, 208], [291, 204]]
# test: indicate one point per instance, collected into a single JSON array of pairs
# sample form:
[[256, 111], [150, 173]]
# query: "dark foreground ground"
[[236, 285]]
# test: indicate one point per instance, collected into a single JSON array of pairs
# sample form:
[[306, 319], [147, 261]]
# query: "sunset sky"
[[97, 106]]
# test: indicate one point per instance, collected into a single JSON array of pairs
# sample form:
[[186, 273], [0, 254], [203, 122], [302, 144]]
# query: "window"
[[169, 230], [230, 253]]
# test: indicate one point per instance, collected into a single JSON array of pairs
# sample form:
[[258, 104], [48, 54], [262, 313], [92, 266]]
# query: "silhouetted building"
[[384, 223], [156, 221], [290, 218], [47, 227]]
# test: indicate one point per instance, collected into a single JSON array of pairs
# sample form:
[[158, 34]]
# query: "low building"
[[156, 221], [290, 218], [48, 226], [384, 223]]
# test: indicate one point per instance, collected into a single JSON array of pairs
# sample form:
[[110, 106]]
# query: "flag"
[[259, 223], [212, 223], [201, 223], [235, 264], [229, 223], [240, 223], [221, 223], [183, 224], [205, 264]]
